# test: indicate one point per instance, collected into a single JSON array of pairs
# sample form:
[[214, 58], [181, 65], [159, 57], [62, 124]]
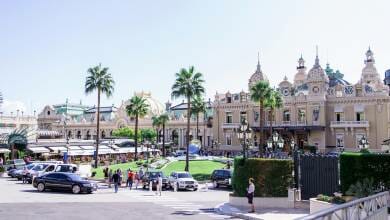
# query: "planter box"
[[264, 202]]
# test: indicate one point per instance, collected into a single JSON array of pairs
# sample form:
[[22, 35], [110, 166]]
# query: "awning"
[[4, 150], [58, 148], [359, 108], [39, 149]]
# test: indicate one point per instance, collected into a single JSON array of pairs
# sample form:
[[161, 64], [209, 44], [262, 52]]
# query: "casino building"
[[320, 109]]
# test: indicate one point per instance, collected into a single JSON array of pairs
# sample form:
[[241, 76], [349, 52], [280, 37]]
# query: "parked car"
[[64, 181], [183, 180], [221, 177], [14, 164], [23, 171], [152, 176], [12, 172], [50, 167]]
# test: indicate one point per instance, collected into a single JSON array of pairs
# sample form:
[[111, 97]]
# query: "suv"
[[183, 180], [152, 176], [221, 178]]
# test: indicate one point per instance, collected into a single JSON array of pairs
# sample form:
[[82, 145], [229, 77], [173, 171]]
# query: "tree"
[[198, 107], [156, 123], [164, 118], [101, 80], [123, 132], [148, 134], [273, 102], [188, 84], [137, 108], [259, 93]]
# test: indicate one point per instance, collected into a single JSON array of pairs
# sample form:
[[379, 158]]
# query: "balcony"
[[230, 125], [349, 124]]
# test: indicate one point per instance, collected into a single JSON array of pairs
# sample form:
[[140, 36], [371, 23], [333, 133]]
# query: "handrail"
[[330, 211]]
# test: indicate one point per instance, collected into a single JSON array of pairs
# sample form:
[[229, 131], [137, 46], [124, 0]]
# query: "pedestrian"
[[119, 171], [159, 185], [109, 178], [141, 173], [250, 194], [130, 179], [136, 179], [24, 175], [115, 180]]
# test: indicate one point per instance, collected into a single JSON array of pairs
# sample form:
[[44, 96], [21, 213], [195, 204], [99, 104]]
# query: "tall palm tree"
[[259, 93], [101, 80], [188, 84], [137, 108], [273, 102], [156, 123], [198, 107], [164, 118]]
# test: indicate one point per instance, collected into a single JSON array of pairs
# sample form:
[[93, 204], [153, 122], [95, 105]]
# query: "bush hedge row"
[[272, 177], [358, 166]]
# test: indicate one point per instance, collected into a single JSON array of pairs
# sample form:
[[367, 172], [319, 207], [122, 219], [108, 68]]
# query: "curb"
[[234, 212]]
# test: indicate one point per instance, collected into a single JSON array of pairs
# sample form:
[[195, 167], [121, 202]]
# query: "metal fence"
[[316, 174], [370, 208]]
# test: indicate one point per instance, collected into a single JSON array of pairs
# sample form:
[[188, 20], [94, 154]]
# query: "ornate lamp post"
[[363, 143], [244, 134], [275, 143]]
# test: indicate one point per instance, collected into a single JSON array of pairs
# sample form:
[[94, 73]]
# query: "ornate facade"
[[320, 109]]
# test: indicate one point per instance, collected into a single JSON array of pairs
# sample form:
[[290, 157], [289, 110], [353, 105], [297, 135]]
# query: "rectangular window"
[[286, 115], [229, 99], [229, 118], [359, 116], [339, 116], [228, 140], [243, 116], [339, 140]]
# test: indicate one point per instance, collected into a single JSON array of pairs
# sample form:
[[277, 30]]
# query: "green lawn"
[[200, 170], [122, 166]]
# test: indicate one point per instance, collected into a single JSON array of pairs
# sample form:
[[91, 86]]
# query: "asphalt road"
[[22, 201]]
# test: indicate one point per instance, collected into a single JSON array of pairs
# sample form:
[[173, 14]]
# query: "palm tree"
[[101, 80], [188, 84], [273, 102], [156, 123], [259, 93], [164, 118], [198, 106], [137, 108]]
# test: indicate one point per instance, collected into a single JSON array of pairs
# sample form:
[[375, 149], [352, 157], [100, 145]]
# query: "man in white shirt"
[[251, 194]]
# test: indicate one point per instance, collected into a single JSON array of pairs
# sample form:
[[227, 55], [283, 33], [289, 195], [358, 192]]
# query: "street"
[[23, 201]]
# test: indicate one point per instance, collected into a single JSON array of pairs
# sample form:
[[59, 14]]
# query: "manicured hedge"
[[358, 166], [272, 176]]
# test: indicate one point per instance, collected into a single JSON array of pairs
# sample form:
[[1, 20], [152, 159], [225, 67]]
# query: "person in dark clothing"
[[115, 180]]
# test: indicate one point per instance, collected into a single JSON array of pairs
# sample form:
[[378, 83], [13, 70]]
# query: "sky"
[[46, 47]]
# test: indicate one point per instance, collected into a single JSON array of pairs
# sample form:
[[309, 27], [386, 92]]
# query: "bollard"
[[175, 186], [150, 186]]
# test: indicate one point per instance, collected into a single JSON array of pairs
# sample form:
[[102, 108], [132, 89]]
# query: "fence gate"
[[317, 174]]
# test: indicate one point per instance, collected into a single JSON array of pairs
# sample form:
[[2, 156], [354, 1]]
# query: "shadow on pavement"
[[185, 213]]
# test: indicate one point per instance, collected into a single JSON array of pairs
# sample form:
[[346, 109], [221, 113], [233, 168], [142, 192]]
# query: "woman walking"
[[250, 195]]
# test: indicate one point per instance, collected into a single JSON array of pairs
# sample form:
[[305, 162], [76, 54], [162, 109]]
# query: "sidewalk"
[[265, 214]]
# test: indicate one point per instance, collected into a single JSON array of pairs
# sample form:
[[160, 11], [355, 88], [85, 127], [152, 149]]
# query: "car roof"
[[181, 172]]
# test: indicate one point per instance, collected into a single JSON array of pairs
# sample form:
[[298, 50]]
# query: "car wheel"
[[215, 184], [195, 189], [76, 189], [41, 187]]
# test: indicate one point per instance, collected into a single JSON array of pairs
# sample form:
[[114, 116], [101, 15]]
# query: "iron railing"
[[369, 208]]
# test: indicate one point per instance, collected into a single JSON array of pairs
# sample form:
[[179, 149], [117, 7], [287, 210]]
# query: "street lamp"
[[275, 142], [363, 143], [292, 144], [244, 134], [67, 149]]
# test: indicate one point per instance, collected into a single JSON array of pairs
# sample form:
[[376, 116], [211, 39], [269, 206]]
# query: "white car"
[[182, 180], [43, 168]]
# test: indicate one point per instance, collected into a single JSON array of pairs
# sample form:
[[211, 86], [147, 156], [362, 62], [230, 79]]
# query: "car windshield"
[[39, 167], [184, 175], [30, 166], [155, 174]]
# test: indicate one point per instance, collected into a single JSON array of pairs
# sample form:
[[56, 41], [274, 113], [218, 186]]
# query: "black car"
[[64, 181], [221, 178], [152, 176]]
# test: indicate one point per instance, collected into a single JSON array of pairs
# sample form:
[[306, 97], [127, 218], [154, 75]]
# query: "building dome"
[[258, 75], [316, 73], [155, 107]]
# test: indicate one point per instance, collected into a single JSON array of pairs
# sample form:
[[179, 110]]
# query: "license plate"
[[190, 186]]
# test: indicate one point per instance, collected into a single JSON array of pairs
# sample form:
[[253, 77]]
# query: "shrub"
[[272, 177], [2, 169], [356, 167], [362, 189]]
